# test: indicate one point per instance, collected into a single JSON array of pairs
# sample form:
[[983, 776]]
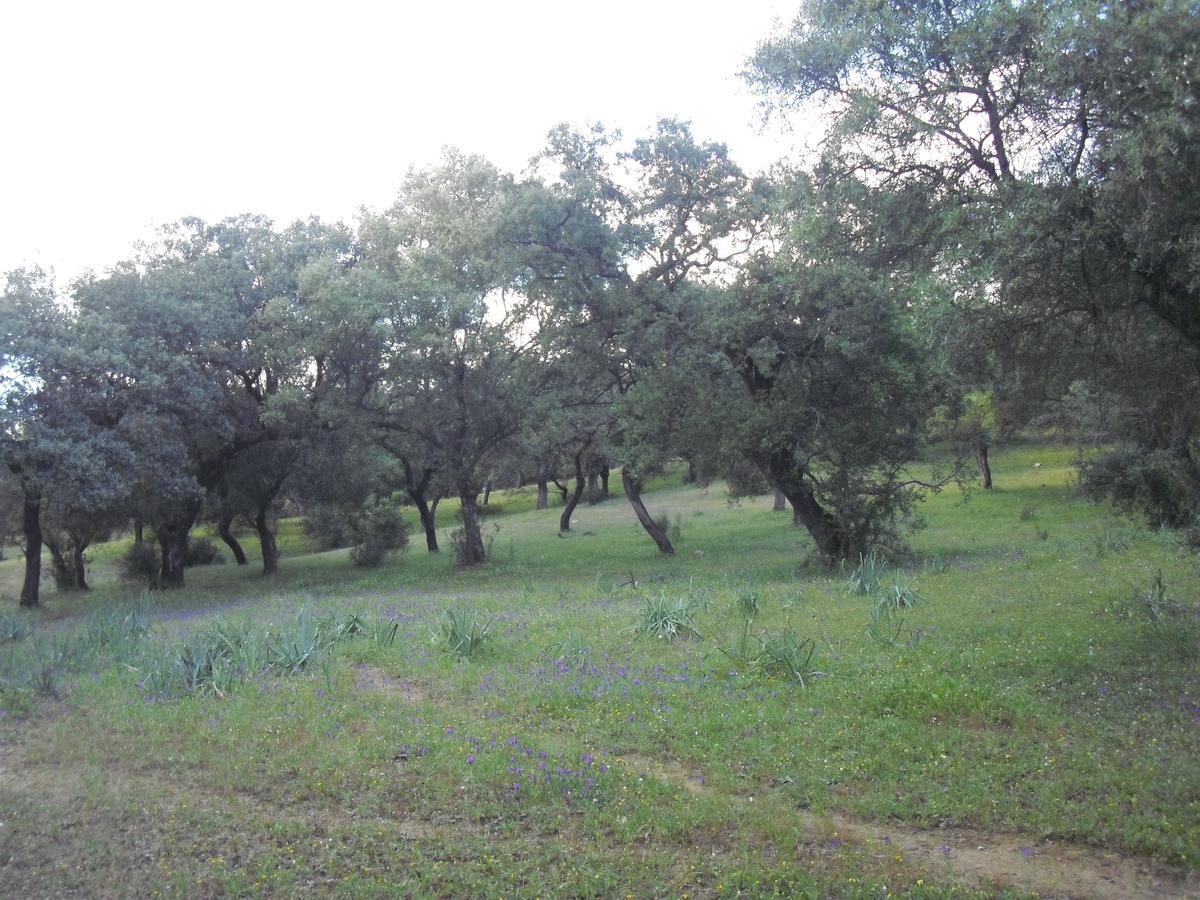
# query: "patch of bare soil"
[[670, 771], [370, 678], [1048, 868]]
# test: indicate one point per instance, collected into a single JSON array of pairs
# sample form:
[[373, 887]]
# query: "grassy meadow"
[[1014, 710]]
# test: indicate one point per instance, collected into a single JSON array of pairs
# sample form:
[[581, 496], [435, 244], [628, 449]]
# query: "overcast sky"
[[122, 115]]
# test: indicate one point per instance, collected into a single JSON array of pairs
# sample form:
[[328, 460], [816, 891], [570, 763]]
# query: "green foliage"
[[328, 525], [668, 619], [883, 626], [203, 552], [747, 605], [464, 633], [787, 655], [868, 575], [899, 594], [1152, 603], [12, 627], [139, 564], [379, 530], [571, 651], [1158, 485], [671, 525]]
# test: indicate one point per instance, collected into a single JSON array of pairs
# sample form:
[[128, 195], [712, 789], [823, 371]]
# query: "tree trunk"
[[563, 489], [780, 502], [473, 551], [564, 521], [833, 544], [604, 481], [223, 529], [266, 540], [60, 564], [173, 543], [985, 470], [487, 492], [428, 514], [593, 479], [31, 524], [80, 563], [689, 477], [633, 490], [543, 494], [138, 531]]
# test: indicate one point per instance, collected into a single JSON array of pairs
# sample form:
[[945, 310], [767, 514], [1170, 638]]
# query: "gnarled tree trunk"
[[224, 530], [173, 543], [473, 552], [417, 489], [266, 540], [564, 521], [633, 490], [833, 544]]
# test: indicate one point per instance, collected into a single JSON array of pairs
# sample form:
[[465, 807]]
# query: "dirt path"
[[976, 858], [973, 858]]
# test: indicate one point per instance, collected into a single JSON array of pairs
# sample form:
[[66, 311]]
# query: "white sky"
[[121, 115]]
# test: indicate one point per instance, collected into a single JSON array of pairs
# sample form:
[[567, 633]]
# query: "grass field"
[[1028, 727]]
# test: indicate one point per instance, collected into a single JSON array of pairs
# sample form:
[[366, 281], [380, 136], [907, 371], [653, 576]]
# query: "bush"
[[378, 530], [1153, 483], [203, 552], [328, 526], [139, 564]]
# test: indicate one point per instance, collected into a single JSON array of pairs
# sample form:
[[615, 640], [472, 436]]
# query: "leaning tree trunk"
[[543, 494], [564, 490], [473, 551], [781, 504], [428, 514], [833, 544], [31, 525], [173, 543], [266, 539], [225, 532], [564, 521], [633, 490], [981, 458]]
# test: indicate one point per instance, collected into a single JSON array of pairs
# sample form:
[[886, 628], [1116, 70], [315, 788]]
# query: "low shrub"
[[139, 564], [202, 552], [378, 531]]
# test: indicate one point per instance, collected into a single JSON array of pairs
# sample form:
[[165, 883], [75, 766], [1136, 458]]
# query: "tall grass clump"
[[868, 575], [667, 619], [788, 655], [464, 633]]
